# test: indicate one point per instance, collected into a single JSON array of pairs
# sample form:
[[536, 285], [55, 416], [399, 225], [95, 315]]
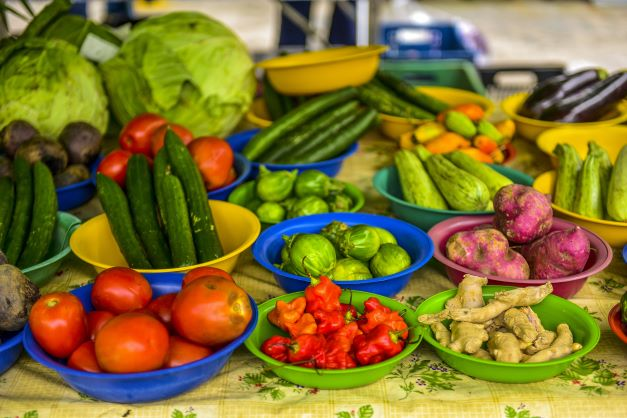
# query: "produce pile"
[[278, 195], [450, 181], [129, 331], [520, 243], [327, 334], [593, 188], [344, 253], [584, 96], [507, 323]]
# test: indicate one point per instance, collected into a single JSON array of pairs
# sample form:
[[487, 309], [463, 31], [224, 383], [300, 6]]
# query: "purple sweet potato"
[[473, 249], [512, 266], [522, 213], [558, 254]]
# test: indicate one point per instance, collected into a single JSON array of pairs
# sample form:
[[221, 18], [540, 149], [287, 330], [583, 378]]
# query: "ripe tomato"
[[183, 352], [119, 290], [132, 342], [158, 136], [214, 159], [58, 323], [161, 307], [84, 358], [211, 311], [114, 165], [96, 320], [230, 178], [199, 272], [137, 134]]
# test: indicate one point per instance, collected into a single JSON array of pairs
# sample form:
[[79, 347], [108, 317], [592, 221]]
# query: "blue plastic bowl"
[[242, 167], [625, 253], [267, 250], [74, 195], [146, 386], [10, 349], [329, 167]]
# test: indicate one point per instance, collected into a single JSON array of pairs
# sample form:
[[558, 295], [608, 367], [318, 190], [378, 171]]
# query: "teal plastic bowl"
[[552, 311], [331, 379], [41, 273], [386, 182]]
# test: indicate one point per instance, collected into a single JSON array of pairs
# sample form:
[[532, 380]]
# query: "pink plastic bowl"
[[566, 287]]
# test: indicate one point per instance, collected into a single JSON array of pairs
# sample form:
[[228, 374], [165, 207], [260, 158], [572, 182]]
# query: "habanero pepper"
[[343, 337], [305, 325], [329, 321], [322, 295], [287, 312], [379, 344], [375, 313], [349, 311], [308, 351], [336, 358], [276, 347]]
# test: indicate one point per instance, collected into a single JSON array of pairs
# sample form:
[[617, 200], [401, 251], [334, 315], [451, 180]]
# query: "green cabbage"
[[48, 84], [186, 67]]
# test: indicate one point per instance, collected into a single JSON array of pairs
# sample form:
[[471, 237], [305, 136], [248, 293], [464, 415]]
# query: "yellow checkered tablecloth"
[[421, 386]]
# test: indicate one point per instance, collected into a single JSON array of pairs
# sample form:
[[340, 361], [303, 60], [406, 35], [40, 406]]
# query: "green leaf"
[[604, 377], [596, 390], [569, 375], [31, 414], [510, 412], [343, 414], [524, 414], [584, 366], [191, 415], [277, 394], [365, 411], [254, 378], [177, 414]]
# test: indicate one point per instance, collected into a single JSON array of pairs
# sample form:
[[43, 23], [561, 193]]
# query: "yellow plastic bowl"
[[615, 233], [531, 128], [323, 71], [238, 228], [610, 138], [258, 114]]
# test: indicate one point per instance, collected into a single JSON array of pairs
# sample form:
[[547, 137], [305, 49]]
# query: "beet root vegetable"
[[522, 213]]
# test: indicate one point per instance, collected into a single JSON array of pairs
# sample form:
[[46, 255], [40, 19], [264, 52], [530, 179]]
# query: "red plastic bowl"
[[616, 325], [566, 287]]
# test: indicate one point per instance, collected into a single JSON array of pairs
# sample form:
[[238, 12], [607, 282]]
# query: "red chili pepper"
[[305, 325], [322, 295], [287, 312], [350, 312], [335, 358], [343, 337], [329, 321], [308, 351], [276, 347], [375, 313], [379, 344]]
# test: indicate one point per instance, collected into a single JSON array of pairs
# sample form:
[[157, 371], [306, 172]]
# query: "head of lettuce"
[[185, 66]]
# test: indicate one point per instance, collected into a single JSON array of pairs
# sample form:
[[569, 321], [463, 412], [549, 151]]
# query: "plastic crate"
[[460, 74]]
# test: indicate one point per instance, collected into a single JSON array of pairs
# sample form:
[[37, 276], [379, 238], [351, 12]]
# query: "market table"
[[421, 385]]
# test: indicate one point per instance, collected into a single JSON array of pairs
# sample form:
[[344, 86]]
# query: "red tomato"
[[84, 358], [214, 158], [199, 272], [211, 311], [230, 178], [183, 352], [137, 134], [161, 307], [119, 290], [58, 323], [132, 342], [158, 136], [96, 320], [114, 165]]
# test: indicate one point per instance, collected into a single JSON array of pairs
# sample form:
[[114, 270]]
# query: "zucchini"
[[7, 191], [605, 169], [118, 213], [206, 239], [22, 210], [268, 136], [486, 128], [141, 196], [617, 191], [568, 168], [460, 124], [44, 217], [160, 167], [179, 229], [495, 181], [417, 186], [384, 102], [410, 93], [588, 197]]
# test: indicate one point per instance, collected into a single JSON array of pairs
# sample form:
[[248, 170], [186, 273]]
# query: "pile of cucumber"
[[28, 213], [592, 188], [317, 130], [164, 219]]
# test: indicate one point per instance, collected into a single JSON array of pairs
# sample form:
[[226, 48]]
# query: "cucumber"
[[160, 168], [617, 191], [118, 213], [495, 181], [141, 196], [384, 102], [568, 168], [7, 191], [277, 104], [44, 217], [417, 186], [460, 124], [605, 168], [486, 128], [411, 94], [268, 136], [206, 239], [22, 210], [179, 229], [588, 197]]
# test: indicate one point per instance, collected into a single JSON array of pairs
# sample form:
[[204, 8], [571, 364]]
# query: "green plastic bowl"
[[41, 273], [331, 379], [552, 311], [386, 182]]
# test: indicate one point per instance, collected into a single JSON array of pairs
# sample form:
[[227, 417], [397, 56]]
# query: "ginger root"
[[467, 337], [482, 354], [442, 334], [521, 326], [562, 346], [505, 347], [469, 293]]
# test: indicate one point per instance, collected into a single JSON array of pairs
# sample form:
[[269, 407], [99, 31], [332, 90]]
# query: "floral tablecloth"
[[422, 385]]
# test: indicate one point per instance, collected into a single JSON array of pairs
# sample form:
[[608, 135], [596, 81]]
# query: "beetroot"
[[558, 254], [522, 213], [473, 249]]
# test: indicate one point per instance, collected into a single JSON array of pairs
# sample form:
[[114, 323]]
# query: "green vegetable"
[[186, 67], [623, 308], [486, 128], [605, 169], [385, 236], [160, 168], [270, 212], [311, 254], [460, 124], [588, 197], [340, 202], [410, 93], [617, 190], [22, 211], [334, 231], [384, 102], [360, 241], [390, 259], [568, 168], [243, 193], [288, 203], [315, 183], [46, 16], [350, 269], [417, 187], [277, 104], [178, 224], [483, 172], [285, 255], [7, 191], [48, 84], [309, 205], [274, 186]]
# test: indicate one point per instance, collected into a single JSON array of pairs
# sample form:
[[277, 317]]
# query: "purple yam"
[[512, 266], [473, 249], [522, 213], [558, 254]]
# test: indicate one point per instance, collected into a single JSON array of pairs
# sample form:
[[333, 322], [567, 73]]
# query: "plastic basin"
[[74, 195], [10, 349]]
